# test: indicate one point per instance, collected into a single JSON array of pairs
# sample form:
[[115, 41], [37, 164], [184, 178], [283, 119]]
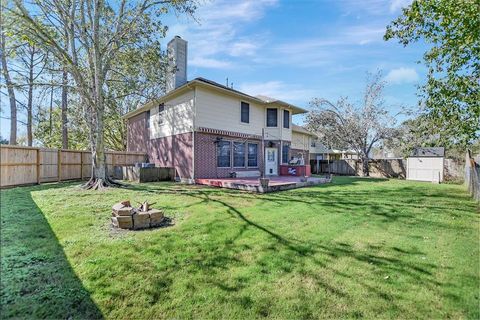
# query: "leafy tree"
[[451, 95], [347, 126], [412, 133], [98, 31], [139, 77], [51, 136]]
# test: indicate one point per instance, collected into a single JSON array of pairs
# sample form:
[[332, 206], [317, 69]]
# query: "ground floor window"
[[285, 153], [223, 154], [238, 154], [252, 154]]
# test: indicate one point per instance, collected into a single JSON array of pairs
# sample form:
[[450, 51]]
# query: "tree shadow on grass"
[[295, 255], [37, 280]]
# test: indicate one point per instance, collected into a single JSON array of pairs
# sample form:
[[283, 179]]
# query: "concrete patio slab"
[[277, 183]]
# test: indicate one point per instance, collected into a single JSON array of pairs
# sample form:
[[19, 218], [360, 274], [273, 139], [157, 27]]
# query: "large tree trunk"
[[30, 99], [64, 109], [365, 170], [11, 93], [100, 178]]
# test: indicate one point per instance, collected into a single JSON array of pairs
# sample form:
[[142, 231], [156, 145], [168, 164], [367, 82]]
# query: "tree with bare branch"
[[349, 126], [98, 31]]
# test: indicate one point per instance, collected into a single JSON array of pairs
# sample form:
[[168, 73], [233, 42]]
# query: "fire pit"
[[124, 216]]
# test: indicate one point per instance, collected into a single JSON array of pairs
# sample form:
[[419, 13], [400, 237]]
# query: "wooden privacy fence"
[[28, 165], [378, 168], [472, 176]]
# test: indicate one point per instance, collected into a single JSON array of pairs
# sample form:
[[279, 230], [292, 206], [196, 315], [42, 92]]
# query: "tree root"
[[101, 183]]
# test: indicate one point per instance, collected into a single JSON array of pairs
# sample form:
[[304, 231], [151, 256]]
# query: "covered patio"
[[276, 183]]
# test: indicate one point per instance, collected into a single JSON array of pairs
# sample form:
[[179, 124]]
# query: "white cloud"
[[210, 63], [399, 4], [321, 51], [278, 90], [215, 38], [372, 7], [402, 75], [364, 34], [244, 48]]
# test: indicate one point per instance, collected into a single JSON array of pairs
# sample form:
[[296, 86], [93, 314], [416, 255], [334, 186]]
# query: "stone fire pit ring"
[[124, 216]]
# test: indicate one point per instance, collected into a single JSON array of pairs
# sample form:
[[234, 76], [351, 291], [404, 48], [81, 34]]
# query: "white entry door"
[[271, 161]]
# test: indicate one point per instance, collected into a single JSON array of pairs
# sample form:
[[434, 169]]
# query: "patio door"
[[271, 161]]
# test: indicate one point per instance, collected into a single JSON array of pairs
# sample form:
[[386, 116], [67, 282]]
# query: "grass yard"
[[353, 248]]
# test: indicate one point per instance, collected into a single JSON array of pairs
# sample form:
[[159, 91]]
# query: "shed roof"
[[430, 152]]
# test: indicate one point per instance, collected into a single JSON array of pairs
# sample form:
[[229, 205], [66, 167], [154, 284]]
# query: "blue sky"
[[297, 50]]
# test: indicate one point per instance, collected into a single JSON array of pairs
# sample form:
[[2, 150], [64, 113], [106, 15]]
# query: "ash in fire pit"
[[124, 216]]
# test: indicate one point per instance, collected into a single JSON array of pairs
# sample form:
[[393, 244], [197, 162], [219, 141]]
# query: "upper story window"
[[272, 117], [245, 112], [313, 144], [147, 122], [286, 119], [161, 114]]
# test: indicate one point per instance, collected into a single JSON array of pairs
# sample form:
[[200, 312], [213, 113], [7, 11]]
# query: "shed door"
[[425, 169]]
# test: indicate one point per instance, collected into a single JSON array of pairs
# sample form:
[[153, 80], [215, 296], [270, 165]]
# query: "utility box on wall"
[[152, 174]]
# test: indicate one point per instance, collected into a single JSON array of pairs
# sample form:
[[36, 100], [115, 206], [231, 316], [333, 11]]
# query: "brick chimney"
[[177, 62]]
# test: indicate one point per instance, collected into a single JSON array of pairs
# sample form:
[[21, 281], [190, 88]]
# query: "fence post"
[[59, 165], [38, 166], [81, 165]]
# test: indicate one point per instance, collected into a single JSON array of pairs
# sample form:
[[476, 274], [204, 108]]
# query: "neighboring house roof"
[[301, 129], [430, 152], [213, 85]]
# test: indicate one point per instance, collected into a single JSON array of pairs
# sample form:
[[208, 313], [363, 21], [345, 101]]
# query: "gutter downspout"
[[193, 131]]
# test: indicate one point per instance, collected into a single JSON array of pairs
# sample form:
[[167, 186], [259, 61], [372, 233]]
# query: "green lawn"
[[353, 248]]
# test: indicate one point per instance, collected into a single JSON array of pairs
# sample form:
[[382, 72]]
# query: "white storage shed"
[[426, 164]]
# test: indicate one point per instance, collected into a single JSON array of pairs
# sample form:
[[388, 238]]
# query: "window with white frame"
[[224, 153], [245, 112], [161, 114], [239, 154], [272, 117], [285, 153], [286, 119], [252, 154]]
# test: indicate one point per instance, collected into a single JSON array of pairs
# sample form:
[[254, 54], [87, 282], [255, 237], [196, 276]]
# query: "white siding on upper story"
[[279, 132], [178, 117], [300, 141], [221, 111]]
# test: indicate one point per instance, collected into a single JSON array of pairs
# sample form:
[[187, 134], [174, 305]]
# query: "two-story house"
[[207, 130]]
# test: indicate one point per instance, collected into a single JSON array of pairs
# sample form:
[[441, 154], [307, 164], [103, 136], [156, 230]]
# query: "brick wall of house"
[[206, 156], [137, 135], [172, 151], [176, 151]]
